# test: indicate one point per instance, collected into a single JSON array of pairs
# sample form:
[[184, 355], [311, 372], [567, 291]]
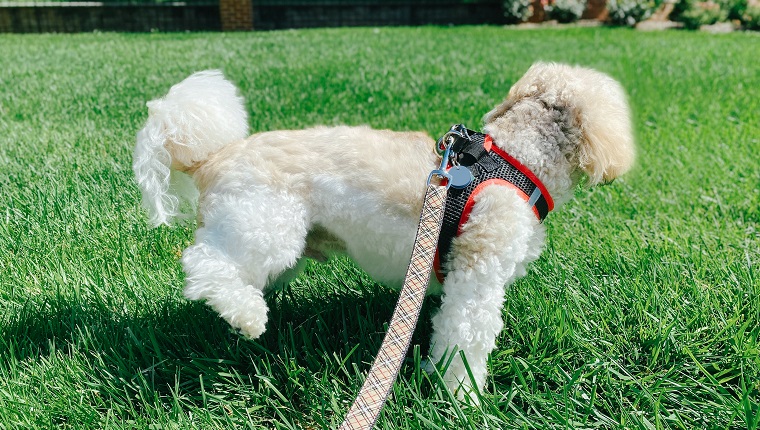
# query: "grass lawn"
[[643, 312]]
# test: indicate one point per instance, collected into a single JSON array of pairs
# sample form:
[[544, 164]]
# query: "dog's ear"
[[602, 113], [598, 107]]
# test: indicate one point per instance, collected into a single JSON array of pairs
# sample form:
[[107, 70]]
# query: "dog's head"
[[595, 107]]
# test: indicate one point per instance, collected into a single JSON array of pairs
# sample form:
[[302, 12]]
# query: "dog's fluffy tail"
[[196, 118]]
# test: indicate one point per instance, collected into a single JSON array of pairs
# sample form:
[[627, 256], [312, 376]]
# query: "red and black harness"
[[475, 163]]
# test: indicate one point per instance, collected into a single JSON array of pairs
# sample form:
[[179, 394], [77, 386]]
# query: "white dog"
[[266, 202]]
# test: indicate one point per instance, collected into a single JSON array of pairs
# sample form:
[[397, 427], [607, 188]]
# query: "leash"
[[382, 374]]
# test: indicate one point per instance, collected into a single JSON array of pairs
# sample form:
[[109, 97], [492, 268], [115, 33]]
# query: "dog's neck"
[[538, 137]]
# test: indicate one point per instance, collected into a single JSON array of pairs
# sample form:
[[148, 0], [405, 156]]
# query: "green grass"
[[644, 311]]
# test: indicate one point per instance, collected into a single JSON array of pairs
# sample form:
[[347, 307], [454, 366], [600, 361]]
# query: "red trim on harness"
[[488, 143], [437, 267], [511, 160]]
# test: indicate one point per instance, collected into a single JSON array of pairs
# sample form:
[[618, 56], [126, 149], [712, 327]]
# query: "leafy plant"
[[566, 10], [517, 11], [629, 12], [734, 8], [679, 8], [702, 14], [751, 18], [696, 14]]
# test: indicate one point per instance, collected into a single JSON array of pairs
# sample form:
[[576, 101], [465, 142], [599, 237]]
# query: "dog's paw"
[[244, 309], [459, 381], [252, 329], [246, 313], [427, 366], [463, 390], [459, 384], [468, 395]]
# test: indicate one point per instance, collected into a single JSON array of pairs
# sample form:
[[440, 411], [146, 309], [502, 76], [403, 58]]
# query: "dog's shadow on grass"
[[177, 343]]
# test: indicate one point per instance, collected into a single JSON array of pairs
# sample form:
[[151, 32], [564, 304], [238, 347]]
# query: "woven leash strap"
[[377, 386]]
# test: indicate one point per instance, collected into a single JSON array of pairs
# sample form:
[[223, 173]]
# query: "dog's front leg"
[[500, 237], [468, 322]]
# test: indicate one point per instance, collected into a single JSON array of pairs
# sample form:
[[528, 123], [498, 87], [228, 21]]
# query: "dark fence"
[[276, 14], [214, 15], [70, 17]]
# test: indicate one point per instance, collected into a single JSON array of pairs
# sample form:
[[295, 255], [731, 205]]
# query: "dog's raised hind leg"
[[213, 277], [246, 242]]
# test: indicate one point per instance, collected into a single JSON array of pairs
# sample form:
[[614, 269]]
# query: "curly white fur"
[[268, 201], [196, 118]]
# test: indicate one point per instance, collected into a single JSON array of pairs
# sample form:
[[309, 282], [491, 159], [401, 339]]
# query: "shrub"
[[696, 14], [702, 14], [629, 12], [751, 18], [734, 8], [517, 11], [566, 10], [679, 8]]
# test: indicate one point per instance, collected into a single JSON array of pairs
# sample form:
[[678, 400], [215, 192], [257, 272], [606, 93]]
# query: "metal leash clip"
[[456, 135], [448, 147], [443, 172]]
